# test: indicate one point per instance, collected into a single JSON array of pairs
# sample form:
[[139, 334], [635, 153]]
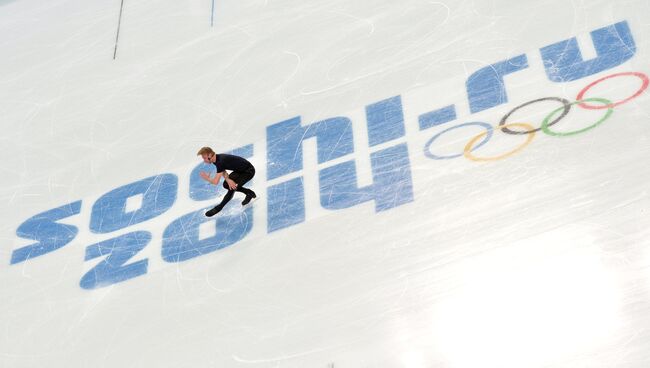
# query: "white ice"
[[540, 259]]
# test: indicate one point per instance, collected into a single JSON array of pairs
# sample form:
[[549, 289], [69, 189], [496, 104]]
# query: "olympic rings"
[[548, 121], [644, 86], [610, 110], [488, 135], [468, 147], [566, 108]]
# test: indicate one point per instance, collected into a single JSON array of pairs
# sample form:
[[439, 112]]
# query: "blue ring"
[[430, 155]]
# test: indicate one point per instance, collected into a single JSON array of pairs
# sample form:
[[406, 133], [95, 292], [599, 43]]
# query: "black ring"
[[567, 107]]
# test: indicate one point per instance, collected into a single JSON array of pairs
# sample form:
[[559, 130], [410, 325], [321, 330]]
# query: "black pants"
[[241, 178]]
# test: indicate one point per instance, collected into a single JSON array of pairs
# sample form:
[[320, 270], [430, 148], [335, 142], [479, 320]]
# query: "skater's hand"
[[205, 175], [231, 184]]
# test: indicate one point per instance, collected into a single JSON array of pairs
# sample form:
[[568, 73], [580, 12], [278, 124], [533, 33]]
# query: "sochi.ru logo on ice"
[[338, 183]]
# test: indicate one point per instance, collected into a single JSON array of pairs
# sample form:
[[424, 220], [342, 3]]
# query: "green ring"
[[548, 118]]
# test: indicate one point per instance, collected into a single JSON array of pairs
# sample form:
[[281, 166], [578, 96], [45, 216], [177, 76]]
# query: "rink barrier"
[[391, 185]]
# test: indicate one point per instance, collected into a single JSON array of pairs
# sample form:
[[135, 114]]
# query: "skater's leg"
[[227, 198], [245, 191], [241, 178], [220, 206], [249, 195]]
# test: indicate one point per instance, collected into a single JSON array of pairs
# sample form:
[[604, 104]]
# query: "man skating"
[[241, 172]]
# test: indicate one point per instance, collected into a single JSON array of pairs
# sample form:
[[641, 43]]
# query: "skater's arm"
[[231, 183], [217, 178], [214, 180]]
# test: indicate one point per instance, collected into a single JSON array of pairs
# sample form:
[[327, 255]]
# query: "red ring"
[[642, 76]]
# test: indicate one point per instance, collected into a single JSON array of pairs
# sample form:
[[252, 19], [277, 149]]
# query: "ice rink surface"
[[443, 184]]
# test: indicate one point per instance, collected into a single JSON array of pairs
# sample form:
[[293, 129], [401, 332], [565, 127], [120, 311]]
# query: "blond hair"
[[205, 151]]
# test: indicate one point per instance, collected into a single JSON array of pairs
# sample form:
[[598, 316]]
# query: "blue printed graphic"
[[158, 195], [284, 143], [486, 88], [437, 117], [564, 63], [286, 204], [181, 239], [392, 183], [113, 268], [385, 121], [49, 234]]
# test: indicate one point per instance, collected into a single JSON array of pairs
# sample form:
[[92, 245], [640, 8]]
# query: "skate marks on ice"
[[390, 135]]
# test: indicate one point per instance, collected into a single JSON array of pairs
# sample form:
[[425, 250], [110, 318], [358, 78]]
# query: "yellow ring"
[[470, 145]]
